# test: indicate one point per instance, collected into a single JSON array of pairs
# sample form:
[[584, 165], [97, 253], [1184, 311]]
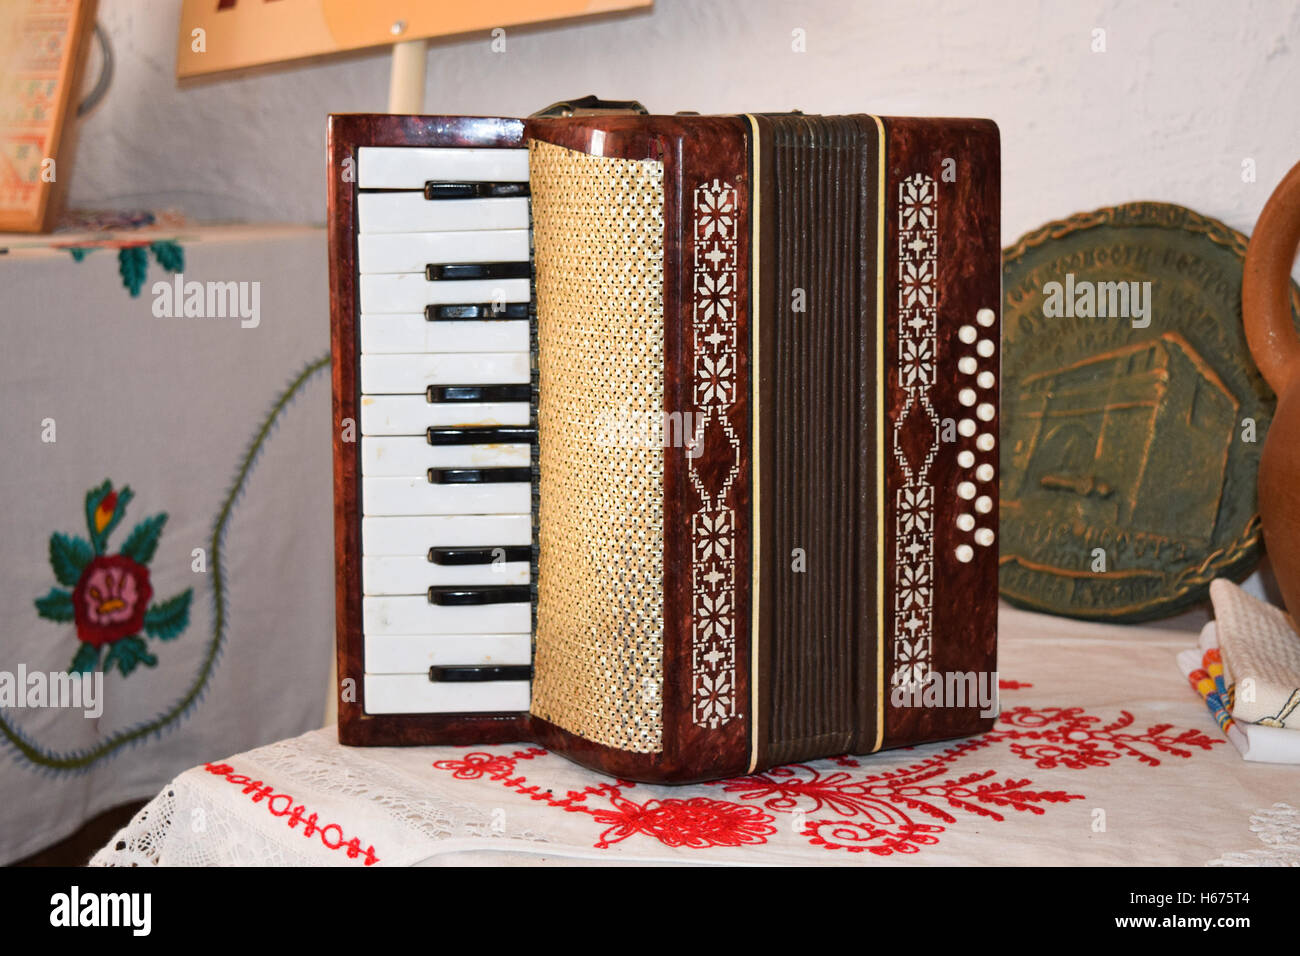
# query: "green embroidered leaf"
[[166, 620], [133, 265], [143, 540], [169, 254], [80, 252], [85, 660], [55, 606], [128, 654], [69, 556]]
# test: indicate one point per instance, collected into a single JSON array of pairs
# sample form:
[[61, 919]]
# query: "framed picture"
[[42, 51], [219, 35]]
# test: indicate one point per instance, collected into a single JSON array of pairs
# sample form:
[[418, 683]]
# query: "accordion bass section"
[[667, 442]]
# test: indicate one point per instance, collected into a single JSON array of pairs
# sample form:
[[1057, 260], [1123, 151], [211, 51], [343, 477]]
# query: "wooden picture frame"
[[217, 36], [43, 45]]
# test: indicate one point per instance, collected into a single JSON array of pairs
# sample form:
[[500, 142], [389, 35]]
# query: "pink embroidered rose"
[[110, 599]]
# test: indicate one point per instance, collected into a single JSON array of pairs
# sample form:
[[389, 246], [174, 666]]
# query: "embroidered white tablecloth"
[[1102, 755], [166, 527]]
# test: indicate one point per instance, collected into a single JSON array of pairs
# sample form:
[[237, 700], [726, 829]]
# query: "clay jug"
[[1266, 308]]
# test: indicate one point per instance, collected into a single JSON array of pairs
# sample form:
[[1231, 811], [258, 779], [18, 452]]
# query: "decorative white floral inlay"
[[917, 422], [713, 559]]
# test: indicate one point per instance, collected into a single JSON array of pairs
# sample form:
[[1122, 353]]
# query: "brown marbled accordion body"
[[821, 431]]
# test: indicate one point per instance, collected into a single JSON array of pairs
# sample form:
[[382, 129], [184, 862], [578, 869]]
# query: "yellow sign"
[[217, 35]]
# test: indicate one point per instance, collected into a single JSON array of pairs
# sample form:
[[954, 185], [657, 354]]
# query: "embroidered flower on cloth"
[[697, 823], [110, 598], [854, 805], [111, 593]]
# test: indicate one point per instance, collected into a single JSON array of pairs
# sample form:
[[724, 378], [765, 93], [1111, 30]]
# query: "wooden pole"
[[406, 84]]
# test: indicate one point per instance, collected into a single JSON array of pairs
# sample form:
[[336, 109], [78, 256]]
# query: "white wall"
[[1184, 92]]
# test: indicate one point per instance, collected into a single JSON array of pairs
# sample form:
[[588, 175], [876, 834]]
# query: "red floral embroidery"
[[858, 837], [697, 823], [110, 599], [282, 805], [492, 766], [887, 803], [1076, 740], [838, 807]]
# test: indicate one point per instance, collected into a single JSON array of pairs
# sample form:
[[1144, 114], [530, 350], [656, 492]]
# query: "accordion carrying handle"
[[1271, 334], [591, 105]]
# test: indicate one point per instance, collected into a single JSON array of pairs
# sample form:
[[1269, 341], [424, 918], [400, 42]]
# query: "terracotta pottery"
[[1275, 346]]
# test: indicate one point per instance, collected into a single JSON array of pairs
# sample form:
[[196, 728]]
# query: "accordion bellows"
[[762, 382]]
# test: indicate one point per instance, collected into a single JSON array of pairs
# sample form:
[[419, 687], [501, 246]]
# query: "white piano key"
[[406, 332], [410, 167], [414, 373], [411, 212], [415, 616], [416, 694], [411, 292], [415, 575], [419, 496], [412, 251], [395, 536], [409, 456], [412, 414], [411, 654]]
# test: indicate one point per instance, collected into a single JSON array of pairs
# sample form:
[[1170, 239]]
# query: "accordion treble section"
[[668, 442]]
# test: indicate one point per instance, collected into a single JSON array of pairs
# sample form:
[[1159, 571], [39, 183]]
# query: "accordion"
[[666, 442]]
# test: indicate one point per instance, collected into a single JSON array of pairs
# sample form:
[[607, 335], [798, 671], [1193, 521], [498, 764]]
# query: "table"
[[1102, 755]]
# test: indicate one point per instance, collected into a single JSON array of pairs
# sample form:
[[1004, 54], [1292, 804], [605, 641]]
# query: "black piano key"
[[478, 476], [453, 596], [481, 311], [478, 393], [436, 190], [451, 271], [467, 674], [483, 435], [463, 556]]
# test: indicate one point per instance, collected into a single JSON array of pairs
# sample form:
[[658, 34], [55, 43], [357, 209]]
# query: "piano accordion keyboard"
[[447, 426]]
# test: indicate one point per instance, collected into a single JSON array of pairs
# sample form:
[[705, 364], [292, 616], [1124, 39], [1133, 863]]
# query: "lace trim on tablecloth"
[[1278, 828], [313, 759], [185, 826], [158, 835]]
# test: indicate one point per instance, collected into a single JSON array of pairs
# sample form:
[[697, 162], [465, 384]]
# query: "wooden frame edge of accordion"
[[695, 150], [348, 132]]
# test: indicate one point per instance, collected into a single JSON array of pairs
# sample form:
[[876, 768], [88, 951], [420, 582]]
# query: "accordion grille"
[[598, 245]]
